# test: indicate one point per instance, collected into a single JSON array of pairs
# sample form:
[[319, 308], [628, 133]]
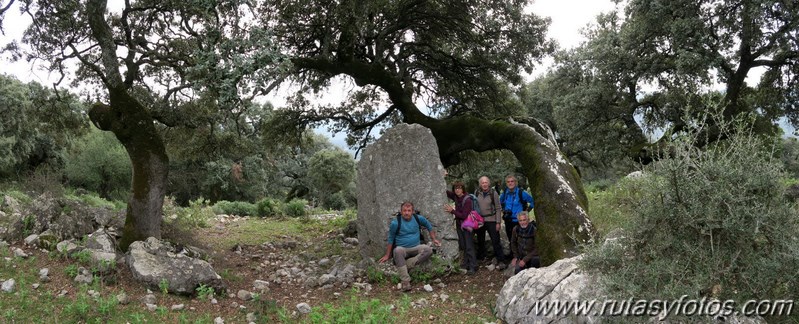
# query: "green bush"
[[197, 214], [336, 201], [711, 222], [267, 207], [239, 208], [295, 208]]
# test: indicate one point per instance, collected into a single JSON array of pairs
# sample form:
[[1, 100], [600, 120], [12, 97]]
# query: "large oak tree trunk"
[[561, 205], [134, 128]]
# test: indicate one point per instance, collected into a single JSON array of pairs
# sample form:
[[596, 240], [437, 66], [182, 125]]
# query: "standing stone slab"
[[403, 165]]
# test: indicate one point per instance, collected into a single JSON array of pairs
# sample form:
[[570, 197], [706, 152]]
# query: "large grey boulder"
[[152, 262], [65, 218], [558, 282], [525, 296], [403, 165]]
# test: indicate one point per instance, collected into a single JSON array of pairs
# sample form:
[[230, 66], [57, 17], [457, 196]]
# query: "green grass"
[[359, 310], [612, 208]]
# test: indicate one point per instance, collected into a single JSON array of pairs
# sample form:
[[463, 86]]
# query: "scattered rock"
[[219, 320], [44, 275], [149, 299], [260, 285], [324, 262], [151, 307], [244, 295], [251, 317], [428, 288], [421, 303], [93, 294], [8, 285], [443, 297], [304, 308], [84, 276], [32, 240], [123, 299], [3, 244], [100, 240], [363, 286], [351, 240], [178, 307], [67, 247], [35, 286], [19, 253]]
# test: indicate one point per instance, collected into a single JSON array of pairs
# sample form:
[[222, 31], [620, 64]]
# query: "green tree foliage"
[[291, 162], [97, 162], [37, 125], [330, 172], [657, 62], [220, 155], [712, 222], [148, 59]]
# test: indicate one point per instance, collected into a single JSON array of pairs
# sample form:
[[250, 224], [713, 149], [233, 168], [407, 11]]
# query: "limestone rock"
[[8, 285], [403, 165], [153, 261], [557, 282], [304, 308], [101, 241], [32, 240]]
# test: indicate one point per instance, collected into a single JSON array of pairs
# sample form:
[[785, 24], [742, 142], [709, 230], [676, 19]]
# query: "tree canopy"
[[657, 63]]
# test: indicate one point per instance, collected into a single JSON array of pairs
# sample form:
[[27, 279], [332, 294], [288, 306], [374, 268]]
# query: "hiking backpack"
[[475, 213], [521, 198]]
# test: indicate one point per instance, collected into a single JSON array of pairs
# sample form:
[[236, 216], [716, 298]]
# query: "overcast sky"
[[568, 18]]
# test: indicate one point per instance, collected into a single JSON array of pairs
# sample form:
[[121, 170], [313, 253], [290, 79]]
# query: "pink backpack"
[[473, 221]]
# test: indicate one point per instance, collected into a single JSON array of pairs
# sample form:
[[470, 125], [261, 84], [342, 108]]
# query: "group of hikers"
[[475, 214]]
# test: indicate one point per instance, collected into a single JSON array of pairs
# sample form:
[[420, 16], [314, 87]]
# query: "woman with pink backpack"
[[464, 225]]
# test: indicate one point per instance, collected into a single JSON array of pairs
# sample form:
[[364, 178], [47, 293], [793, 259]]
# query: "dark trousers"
[[534, 263], [491, 228], [509, 226], [466, 244]]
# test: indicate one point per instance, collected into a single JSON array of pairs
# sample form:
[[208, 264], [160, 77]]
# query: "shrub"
[[197, 214], [336, 201], [295, 208], [711, 222], [239, 208], [267, 207]]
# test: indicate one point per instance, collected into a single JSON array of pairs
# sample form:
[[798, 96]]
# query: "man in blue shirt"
[[405, 243], [514, 200]]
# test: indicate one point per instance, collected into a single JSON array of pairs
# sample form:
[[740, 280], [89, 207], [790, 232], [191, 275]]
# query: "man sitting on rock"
[[525, 254], [404, 241]]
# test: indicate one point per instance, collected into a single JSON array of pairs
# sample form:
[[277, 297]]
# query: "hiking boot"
[[406, 286]]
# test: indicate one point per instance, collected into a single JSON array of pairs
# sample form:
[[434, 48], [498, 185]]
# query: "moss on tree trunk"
[[134, 128]]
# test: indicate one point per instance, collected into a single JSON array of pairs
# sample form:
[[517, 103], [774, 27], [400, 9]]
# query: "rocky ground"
[[282, 278]]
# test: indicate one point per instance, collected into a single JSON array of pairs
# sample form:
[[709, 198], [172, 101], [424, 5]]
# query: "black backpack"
[[521, 198]]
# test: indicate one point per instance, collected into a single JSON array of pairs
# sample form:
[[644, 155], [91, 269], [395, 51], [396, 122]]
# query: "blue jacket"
[[510, 202], [409, 231]]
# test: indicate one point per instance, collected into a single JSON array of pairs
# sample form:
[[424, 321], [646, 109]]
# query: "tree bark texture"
[[134, 128]]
